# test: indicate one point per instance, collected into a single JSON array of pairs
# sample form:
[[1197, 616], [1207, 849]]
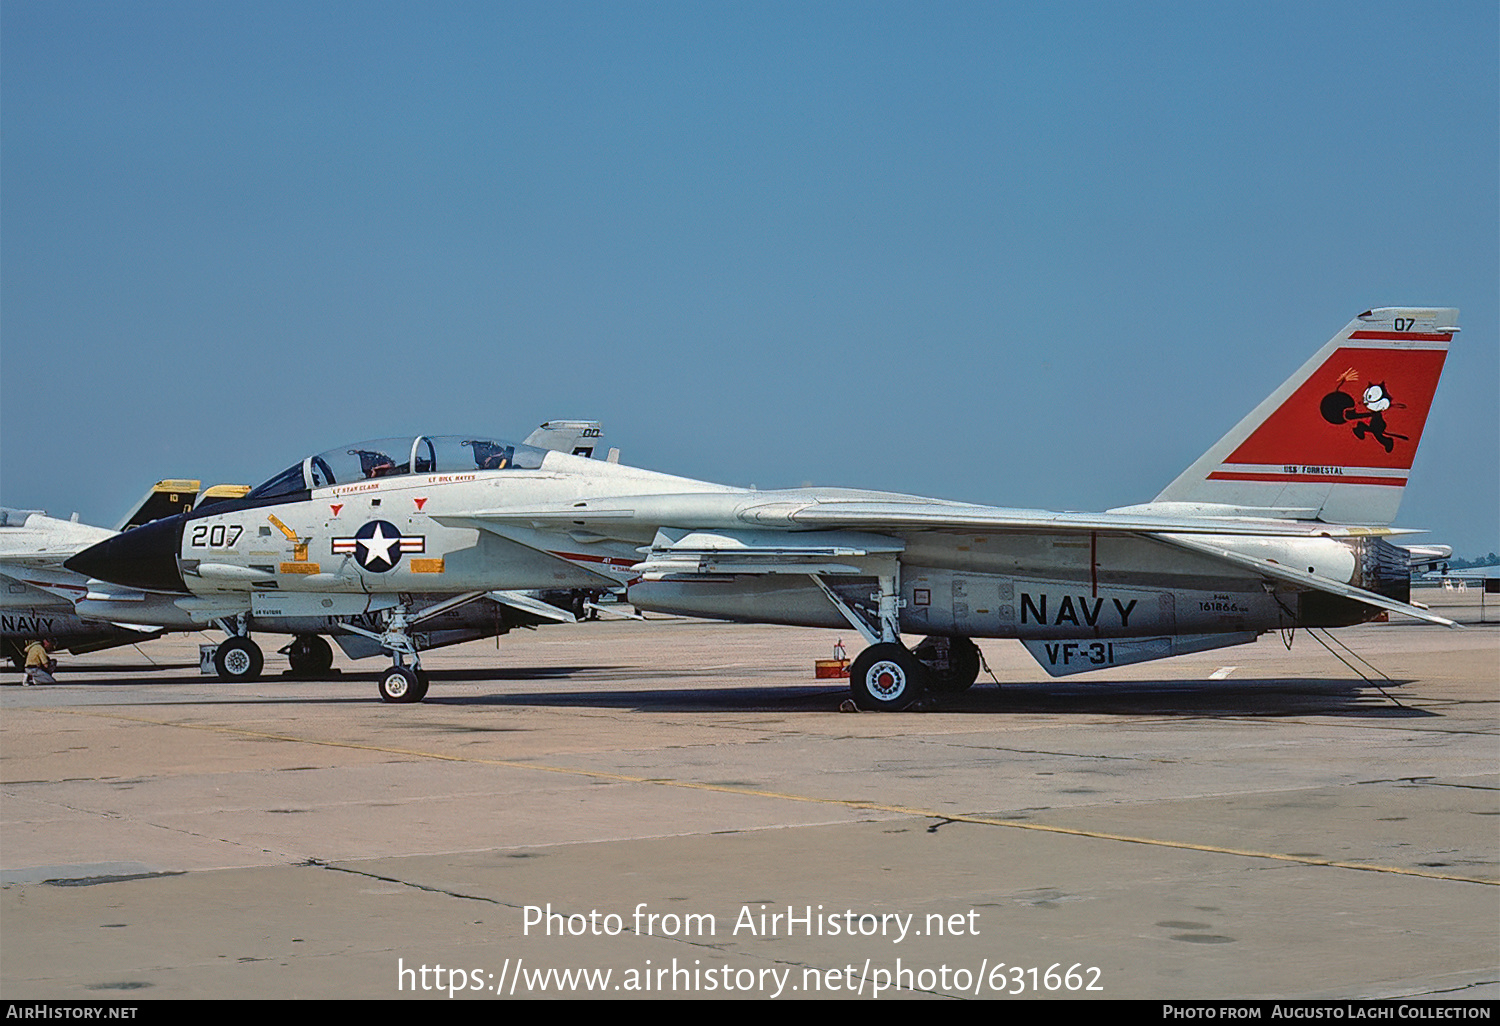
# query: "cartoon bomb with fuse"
[[1339, 407]]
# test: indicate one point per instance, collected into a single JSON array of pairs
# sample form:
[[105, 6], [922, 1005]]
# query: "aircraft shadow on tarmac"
[[1247, 697], [120, 668], [601, 686]]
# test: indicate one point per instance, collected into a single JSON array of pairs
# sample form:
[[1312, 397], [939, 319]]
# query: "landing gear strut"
[[402, 682], [886, 676]]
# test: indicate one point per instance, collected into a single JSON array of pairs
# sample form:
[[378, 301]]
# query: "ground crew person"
[[39, 663]]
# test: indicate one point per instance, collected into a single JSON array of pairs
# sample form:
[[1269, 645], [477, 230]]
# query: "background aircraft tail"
[[163, 499], [219, 493], [1335, 442], [575, 437]]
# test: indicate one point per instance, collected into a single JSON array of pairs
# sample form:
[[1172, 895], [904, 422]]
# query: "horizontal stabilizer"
[[42, 559], [612, 612], [1303, 579], [136, 635]]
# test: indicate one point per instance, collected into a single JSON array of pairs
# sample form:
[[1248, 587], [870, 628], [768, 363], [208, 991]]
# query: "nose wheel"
[[403, 684], [404, 681]]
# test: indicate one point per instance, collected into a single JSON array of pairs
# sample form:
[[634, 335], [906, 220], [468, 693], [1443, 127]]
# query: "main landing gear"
[[238, 659], [952, 664], [887, 676], [310, 655]]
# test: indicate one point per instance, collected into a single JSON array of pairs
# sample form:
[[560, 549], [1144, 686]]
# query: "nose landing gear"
[[403, 684]]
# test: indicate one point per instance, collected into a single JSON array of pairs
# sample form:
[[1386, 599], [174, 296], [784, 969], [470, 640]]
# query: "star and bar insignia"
[[379, 545]]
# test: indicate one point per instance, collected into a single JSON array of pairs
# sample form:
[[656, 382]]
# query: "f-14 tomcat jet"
[[1281, 523]]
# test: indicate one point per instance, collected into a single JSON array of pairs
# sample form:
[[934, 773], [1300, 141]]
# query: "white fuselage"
[[420, 544]]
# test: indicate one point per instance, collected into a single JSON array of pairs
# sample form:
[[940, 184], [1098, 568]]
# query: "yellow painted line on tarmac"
[[847, 803]]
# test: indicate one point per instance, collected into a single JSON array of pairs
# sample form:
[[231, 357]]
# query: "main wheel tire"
[[239, 660], [398, 684], [886, 677], [310, 655], [952, 671]]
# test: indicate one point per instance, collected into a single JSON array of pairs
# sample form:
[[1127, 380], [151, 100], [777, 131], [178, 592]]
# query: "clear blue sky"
[[1032, 254]]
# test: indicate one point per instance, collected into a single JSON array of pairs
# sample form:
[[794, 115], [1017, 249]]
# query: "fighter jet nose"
[[144, 557]]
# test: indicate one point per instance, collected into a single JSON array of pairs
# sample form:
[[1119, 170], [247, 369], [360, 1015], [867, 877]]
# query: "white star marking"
[[378, 543]]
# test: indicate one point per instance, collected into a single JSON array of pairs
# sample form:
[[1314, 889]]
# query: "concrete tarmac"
[[703, 821]]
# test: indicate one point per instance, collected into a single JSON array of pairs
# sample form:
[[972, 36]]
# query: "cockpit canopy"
[[392, 457]]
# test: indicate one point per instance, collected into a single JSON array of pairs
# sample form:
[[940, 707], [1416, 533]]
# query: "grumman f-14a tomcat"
[[1283, 522]]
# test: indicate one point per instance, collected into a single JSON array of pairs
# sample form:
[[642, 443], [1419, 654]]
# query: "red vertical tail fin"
[[1337, 439]]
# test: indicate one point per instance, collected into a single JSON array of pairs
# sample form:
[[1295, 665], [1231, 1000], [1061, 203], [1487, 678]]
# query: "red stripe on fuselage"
[[619, 562]]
